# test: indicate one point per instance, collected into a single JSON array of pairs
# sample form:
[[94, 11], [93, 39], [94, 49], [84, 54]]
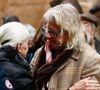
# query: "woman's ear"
[[19, 47], [22, 48]]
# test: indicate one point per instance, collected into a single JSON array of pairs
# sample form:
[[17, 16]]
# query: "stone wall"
[[28, 11], [86, 4]]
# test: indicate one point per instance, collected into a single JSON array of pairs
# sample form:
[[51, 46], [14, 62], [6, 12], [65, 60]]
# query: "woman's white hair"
[[13, 33], [31, 29], [68, 18]]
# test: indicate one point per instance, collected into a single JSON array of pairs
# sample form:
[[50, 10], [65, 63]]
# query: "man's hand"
[[86, 84]]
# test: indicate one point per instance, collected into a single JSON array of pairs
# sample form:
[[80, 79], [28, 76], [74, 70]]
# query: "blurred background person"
[[90, 22], [95, 10], [8, 18], [75, 3]]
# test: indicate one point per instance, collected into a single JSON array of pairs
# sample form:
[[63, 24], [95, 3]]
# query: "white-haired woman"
[[65, 58], [14, 69]]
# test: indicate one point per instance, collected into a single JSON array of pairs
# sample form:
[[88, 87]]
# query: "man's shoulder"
[[89, 51], [88, 48]]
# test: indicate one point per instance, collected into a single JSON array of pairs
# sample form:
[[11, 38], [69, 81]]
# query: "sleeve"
[[92, 67]]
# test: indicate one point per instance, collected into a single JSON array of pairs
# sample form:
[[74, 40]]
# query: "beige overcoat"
[[80, 65]]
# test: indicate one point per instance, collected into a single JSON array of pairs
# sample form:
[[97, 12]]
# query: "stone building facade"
[[28, 11]]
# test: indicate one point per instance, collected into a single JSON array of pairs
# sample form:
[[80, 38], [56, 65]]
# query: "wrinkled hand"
[[86, 84]]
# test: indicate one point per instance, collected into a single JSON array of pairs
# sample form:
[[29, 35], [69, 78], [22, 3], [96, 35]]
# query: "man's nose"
[[48, 35]]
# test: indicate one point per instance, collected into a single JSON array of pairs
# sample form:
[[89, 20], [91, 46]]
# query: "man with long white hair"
[[66, 61]]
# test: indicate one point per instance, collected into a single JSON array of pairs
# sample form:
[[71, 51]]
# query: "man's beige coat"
[[82, 64]]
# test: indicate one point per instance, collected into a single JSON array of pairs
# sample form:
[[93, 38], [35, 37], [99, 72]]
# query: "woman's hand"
[[86, 84]]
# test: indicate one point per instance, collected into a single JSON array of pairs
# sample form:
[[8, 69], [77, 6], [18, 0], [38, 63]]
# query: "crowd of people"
[[63, 54]]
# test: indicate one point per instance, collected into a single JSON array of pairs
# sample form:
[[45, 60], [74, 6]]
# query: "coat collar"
[[75, 56]]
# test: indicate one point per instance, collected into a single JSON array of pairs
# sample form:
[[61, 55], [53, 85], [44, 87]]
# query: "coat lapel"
[[75, 56]]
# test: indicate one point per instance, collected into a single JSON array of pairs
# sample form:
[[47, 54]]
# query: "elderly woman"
[[65, 58], [14, 70]]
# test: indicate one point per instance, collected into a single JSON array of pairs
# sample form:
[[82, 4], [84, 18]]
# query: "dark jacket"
[[97, 45], [14, 71]]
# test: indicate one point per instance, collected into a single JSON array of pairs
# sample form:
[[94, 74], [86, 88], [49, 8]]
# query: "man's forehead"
[[53, 24]]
